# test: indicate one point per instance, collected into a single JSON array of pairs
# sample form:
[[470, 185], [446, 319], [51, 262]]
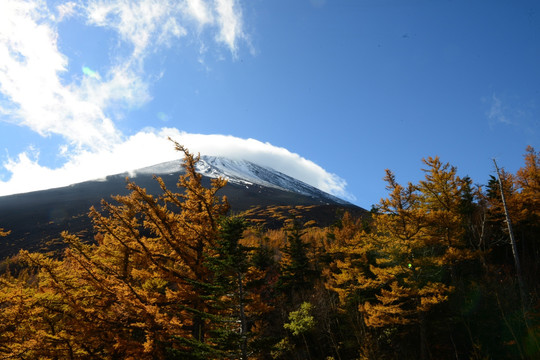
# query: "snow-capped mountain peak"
[[246, 173]]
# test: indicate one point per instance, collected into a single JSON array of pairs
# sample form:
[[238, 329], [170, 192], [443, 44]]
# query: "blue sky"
[[331, 92]]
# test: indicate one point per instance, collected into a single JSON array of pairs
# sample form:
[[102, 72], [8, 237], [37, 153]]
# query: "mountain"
[[37, 218], [248, 174]]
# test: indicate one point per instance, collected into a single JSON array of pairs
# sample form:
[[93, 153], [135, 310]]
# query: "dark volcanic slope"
[[36, 219]]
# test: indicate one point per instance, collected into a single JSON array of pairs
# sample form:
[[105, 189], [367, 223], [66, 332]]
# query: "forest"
[[430, 273]]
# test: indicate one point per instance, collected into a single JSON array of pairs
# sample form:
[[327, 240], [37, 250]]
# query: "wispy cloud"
[[66, 10], [134, 153], [515, 112], [153, 23], [140, 23], [230, 22], [497, 112]]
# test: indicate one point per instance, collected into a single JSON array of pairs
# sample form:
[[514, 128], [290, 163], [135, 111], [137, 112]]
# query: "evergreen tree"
[[297, 274], [238, 305]]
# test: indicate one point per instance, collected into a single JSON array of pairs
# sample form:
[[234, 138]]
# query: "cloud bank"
[[151, 147], [39, 90]]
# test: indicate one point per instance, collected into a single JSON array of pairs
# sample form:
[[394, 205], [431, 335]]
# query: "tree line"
[[429, 274]]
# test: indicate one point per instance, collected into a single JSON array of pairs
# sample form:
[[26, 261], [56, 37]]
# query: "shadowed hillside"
[[36, 219]]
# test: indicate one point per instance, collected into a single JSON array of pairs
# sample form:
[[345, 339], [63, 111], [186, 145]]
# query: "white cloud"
[[141, 23], [266, 154], [230, 22], [86, 165], [122, 85], [150, 147], [30, 69], [66, 10], [199, 10], [150, 23], [496, 111]]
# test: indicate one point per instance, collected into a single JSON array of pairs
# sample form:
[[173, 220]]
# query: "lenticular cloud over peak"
[[150, 147], [268, 155]]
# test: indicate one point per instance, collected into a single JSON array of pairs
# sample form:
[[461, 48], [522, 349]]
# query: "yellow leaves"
[[378, 315], [148, 346], [454, 255], [528, 182], [416, 234], [32, 314], [394, 295], [156, 284], [137, 288], [385, 274], [400, 305], [433, 294]]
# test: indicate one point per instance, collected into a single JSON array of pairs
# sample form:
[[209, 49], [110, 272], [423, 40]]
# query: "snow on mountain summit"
[[243, 172]]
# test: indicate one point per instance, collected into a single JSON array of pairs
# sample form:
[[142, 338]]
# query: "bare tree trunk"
[[243, 320], [512, 241], [522, 292]]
